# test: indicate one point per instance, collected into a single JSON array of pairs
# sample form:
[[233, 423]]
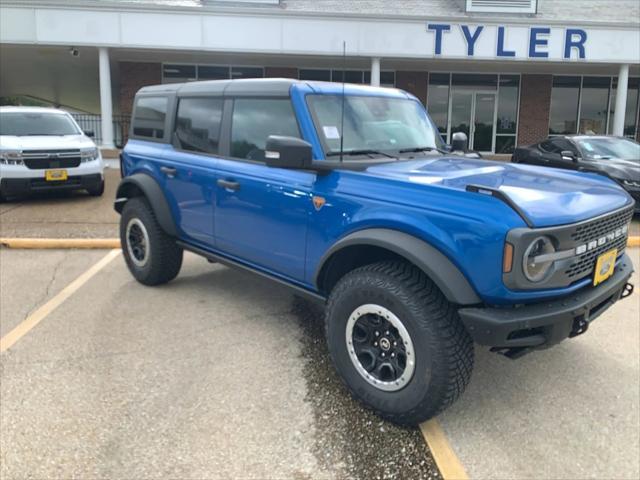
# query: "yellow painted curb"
[[446, 459], [60, 243], [634, 241]]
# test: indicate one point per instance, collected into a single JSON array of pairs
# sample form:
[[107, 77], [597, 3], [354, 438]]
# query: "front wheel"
[[397, 342], [153, 257]]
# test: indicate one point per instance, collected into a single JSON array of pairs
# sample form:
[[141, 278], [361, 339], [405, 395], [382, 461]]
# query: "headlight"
[[11, 157], [631, 183], [534, 263], [89, 155]]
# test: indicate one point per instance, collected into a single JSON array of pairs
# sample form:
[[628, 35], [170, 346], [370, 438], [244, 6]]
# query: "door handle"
[[169, 171], [228, 185]]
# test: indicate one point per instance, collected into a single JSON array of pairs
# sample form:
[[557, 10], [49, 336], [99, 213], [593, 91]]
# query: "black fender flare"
[[449, 279], [145, 185]]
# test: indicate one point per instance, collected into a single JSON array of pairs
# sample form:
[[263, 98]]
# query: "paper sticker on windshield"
[[331, 132], [588, 146]]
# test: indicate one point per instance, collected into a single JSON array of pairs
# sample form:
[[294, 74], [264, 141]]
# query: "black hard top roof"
[[240, 87]]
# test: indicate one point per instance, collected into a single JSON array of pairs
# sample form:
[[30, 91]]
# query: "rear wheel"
[[153, 257], [397, 342]]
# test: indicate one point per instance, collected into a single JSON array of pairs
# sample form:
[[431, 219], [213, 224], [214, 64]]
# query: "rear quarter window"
[[149, 117]]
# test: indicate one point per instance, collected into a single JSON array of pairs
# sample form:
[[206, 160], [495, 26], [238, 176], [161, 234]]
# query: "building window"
[[586, 105], [502, 6], [438, 100], [507, 120], [387, 77], [314, 74], [176, 73], [565, 96], [594, 103], [631, 112], [483, 106]]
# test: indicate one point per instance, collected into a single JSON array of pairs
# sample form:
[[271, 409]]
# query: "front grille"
[[584, 264], [591, 230], [47, 159]]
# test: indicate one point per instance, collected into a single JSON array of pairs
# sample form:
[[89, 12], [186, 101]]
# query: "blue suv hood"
[[548, 196]]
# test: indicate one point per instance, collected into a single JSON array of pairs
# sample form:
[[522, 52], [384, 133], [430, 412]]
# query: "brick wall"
[[134, 76], [535, 102], [281, 72], [414, 83]]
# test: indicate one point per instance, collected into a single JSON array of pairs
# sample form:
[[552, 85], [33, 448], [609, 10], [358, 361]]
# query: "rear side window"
[[150, 114], [198, 124], [254, 120]]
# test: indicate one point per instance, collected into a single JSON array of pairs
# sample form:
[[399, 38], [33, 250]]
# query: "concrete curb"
[[60, 243], [109, 243]]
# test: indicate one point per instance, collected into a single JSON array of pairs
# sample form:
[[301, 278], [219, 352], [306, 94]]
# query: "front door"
[[482, 129], [473, 112], [262, 212]]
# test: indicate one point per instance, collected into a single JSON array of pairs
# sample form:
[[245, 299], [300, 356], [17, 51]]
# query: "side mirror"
[[459, 142], [89, 133], [569, 156], [287, 152]]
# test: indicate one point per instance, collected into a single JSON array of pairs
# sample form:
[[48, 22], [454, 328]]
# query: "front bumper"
[[514, 331], [17, 187]]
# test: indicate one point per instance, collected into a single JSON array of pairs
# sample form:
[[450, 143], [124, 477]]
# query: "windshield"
[[36, 123], [604, 148], [380, 124]]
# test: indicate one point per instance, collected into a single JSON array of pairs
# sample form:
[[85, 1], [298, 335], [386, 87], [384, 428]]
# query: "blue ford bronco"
[[348, 195]]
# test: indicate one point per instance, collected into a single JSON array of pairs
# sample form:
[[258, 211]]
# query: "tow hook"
[[627, 290]]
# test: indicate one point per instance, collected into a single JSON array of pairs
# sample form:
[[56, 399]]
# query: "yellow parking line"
[[446, 459], [36, 317], [634, 241], [44, 243]]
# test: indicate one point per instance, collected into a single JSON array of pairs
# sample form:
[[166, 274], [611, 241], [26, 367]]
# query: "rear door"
[[261, 212], [189, 166]]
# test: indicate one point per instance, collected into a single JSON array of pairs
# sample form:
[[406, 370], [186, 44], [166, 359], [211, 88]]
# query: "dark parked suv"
[[348, 195]]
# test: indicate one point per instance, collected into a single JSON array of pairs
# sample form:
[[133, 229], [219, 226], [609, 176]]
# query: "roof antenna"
[[344, 66]]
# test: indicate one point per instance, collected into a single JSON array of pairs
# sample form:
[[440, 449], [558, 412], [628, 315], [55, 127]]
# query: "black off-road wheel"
[[397, 342], [153, 257]]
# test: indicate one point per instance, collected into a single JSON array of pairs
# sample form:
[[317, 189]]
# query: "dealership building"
[[506, 72]]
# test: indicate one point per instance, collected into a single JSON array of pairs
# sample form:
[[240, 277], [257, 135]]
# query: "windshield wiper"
[[360, 152], [422, 149]]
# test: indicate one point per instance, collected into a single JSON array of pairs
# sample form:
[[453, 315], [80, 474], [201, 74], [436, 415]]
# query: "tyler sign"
[[517, 42]]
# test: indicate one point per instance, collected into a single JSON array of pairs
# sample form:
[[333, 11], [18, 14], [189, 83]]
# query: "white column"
[[375, 72], [106, 108], [621, 100]]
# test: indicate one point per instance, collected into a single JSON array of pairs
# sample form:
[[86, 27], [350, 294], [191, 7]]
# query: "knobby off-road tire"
[[153, 257], [442, 349]]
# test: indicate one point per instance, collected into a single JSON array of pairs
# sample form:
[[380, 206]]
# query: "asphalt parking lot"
[[223, 375]]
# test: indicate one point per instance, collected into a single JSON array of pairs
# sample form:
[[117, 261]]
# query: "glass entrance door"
[[484, 107], [473, 112]]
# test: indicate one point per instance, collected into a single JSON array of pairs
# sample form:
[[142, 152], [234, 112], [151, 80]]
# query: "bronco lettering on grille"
[[593, 244]]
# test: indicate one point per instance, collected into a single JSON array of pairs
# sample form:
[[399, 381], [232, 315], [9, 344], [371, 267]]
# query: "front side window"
[[254, 120], [150, 114], [198, 124], [372, 123], [36, 123]]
